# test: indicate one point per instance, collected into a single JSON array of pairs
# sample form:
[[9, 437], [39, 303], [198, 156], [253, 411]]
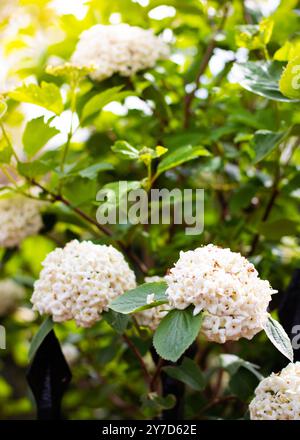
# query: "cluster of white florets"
[[151, 317], [10, 295], [19, 218], [78, 281], [226, 286], [277, 397], [119, 49]]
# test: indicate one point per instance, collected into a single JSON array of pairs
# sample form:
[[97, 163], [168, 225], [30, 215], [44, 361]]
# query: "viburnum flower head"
[[226, 286], [10, 295], [78, 281], [277, 397], [151, 317], [119, 49], [19, 218]]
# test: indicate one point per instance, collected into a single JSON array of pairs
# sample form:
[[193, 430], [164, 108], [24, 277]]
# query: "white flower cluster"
[[19, 218], [151, 317], [226, 286], [119, 49], [277, 397], [78, 281], [10, 294]]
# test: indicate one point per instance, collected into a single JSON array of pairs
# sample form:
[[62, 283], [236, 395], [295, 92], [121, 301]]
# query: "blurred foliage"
[[228, 126]]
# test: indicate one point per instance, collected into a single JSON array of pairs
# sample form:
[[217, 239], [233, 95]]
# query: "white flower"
[[277, 397], [119, 49], [78, 281], [152, 317], [70, 352], [19, 218], [10, 295], [226, 286]]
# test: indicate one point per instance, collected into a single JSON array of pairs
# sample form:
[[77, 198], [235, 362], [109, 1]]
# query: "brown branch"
[[156, 373], [106, 231], [139, 358], [267, 211], [188, 100]]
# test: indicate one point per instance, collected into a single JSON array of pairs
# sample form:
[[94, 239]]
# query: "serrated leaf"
[[46, 95], [97, 102], [189, 373], [36, 134], [116, 320], [38, 338], [279, 338], [289, 83], [180, 156], [261, 78], [136, 299], [265, 141], [176, 332]]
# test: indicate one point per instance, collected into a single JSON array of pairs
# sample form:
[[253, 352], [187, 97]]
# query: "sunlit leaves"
[[289, 83], [3, 107], [36, 134], [180, 156], [71, 73], [261, 78], [46, 95], [254, 36], [97, 102]]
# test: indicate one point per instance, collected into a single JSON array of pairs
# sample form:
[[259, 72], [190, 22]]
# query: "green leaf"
[[92, 171], [261, 78], [97, 102], [72, 74], [116, 320], [47, 162], [289, 83], [232, 363], [180, 156], [265, 141], [36, 134], [38, 338], [47, 95], [189, 373], [136, 299], [6, 152], [125, 150], [3, 108], [279, 338], [176, 332], [155, 402], [275, 229]]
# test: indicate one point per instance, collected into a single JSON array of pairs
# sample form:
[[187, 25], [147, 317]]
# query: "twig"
[[203, 65], [156, 373], [139, 358], [91, 220]]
